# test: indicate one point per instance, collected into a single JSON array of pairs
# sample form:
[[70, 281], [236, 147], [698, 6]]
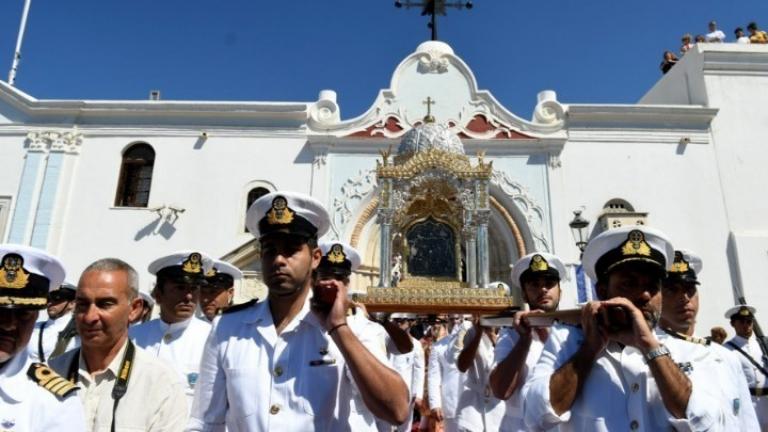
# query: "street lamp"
[[579, 230]]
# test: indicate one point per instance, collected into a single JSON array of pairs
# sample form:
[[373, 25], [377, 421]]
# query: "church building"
[[87, 179]]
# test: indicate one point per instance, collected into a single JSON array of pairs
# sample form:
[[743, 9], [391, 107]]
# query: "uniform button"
[[274, 409], [278, 371], [635, 387], [167, 338], [634, 425]]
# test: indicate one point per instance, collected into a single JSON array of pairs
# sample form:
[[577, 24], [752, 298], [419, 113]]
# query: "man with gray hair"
[[123, 387]]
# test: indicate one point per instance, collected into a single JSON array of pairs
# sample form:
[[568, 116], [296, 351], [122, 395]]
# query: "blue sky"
[[589, 51]]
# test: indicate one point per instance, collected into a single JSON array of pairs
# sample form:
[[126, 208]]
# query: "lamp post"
[[579, 230]]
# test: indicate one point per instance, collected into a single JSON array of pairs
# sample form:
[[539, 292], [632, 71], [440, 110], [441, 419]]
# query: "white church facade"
[[87, 179]]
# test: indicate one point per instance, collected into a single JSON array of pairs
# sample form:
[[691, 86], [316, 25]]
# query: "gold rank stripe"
[[48, 379], [8, 300]]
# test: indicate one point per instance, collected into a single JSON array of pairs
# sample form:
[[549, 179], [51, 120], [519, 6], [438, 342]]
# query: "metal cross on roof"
[[433, 8], [429, 102]]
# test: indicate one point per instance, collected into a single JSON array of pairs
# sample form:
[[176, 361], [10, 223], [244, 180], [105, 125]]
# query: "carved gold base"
[[437, 299]]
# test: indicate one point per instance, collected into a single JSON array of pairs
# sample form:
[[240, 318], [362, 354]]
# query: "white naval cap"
[[223, 267], [685, 267], [626, 244], [537, 263], [501, 284], [65, 291], [289, 213], [27, 275], [186, 263], [338, 257], [740, 311], [147, 297]]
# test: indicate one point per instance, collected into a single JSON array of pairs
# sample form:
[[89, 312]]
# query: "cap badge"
[[636, 245], [680, 265], [193, 263], [336, 254], [538, 264], [279, 214], [12, 274], [744, 312], [212, 272]]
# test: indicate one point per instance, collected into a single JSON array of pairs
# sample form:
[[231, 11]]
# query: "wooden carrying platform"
[[437, 298]]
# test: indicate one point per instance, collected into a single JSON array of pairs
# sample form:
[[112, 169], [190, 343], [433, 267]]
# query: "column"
[[385, 264], [470, 245], [482, 247]]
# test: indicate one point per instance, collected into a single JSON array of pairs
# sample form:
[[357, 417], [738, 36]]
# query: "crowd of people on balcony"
[[753, 36]]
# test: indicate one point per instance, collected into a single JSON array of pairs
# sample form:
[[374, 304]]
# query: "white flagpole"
[[17, 53]]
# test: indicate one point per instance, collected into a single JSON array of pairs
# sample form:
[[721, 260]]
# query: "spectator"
[[700, 39], [740, 37], [714, 35], [718, 334], [687, 44], [669, 60], [756, 36]]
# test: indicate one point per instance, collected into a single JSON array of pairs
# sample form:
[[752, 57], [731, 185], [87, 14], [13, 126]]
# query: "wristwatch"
[[658, 352]]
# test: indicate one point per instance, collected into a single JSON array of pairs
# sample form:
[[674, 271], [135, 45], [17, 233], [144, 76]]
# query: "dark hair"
[[752, 26], [738, 29]]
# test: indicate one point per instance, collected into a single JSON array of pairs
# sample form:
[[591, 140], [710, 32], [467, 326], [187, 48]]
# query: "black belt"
[[758, 391], [123, 375]]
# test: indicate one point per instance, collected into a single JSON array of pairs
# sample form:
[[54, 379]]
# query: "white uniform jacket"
[[26, 406], [51, 329], [444, 380], [620, 392], [755, 378], [179, 344], [252, 379], [508, 339], [477, 409]]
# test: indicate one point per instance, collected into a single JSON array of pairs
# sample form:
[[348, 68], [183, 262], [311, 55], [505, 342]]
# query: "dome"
[[428, 136]]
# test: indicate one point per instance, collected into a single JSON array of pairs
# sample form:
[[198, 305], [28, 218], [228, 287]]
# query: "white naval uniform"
[[755, 378], [508, 339], [252, 379], [51, 329], [180, 344], [620, 392], [410, 367], [153, 402], [477, 409], [26, 406], [373, 336], [739, 412], [444, 380]]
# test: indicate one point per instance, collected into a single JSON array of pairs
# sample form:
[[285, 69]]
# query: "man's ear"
[[317, 254], [137, 307]]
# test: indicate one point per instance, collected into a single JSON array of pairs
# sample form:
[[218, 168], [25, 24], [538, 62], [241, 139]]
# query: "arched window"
[[135, 176], [253, 195]]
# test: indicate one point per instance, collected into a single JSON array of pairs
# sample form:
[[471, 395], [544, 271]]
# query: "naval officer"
[[177, 335], [32, 396], [57, 334], [613, 373], [280, 364], [219, 291], [538, 276]]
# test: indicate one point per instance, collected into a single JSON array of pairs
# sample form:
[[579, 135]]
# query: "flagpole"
[[17, 53]]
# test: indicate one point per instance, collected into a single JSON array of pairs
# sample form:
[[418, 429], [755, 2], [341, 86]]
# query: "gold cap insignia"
[[279, 214], [680, 265], [193, 263], [636, 245], [336, 255], [212, 272], [12, 274], [744, 312], [538, 264]]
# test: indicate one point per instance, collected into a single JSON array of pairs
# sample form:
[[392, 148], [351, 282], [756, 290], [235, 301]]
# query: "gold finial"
[[385, 155], [429, 118], [480, 157]]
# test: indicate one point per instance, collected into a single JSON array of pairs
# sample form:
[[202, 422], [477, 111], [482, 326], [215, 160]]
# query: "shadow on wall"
[[162, 225]]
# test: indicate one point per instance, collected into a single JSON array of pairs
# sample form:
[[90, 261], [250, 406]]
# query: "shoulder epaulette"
[[691, 339], [46, 378], [239, 307]]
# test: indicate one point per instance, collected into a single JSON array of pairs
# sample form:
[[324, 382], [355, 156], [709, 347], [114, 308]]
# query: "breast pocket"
[[318, 389], [242, 391]]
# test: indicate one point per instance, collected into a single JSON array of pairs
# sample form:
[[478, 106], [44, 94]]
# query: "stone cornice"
[[647, 117]]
